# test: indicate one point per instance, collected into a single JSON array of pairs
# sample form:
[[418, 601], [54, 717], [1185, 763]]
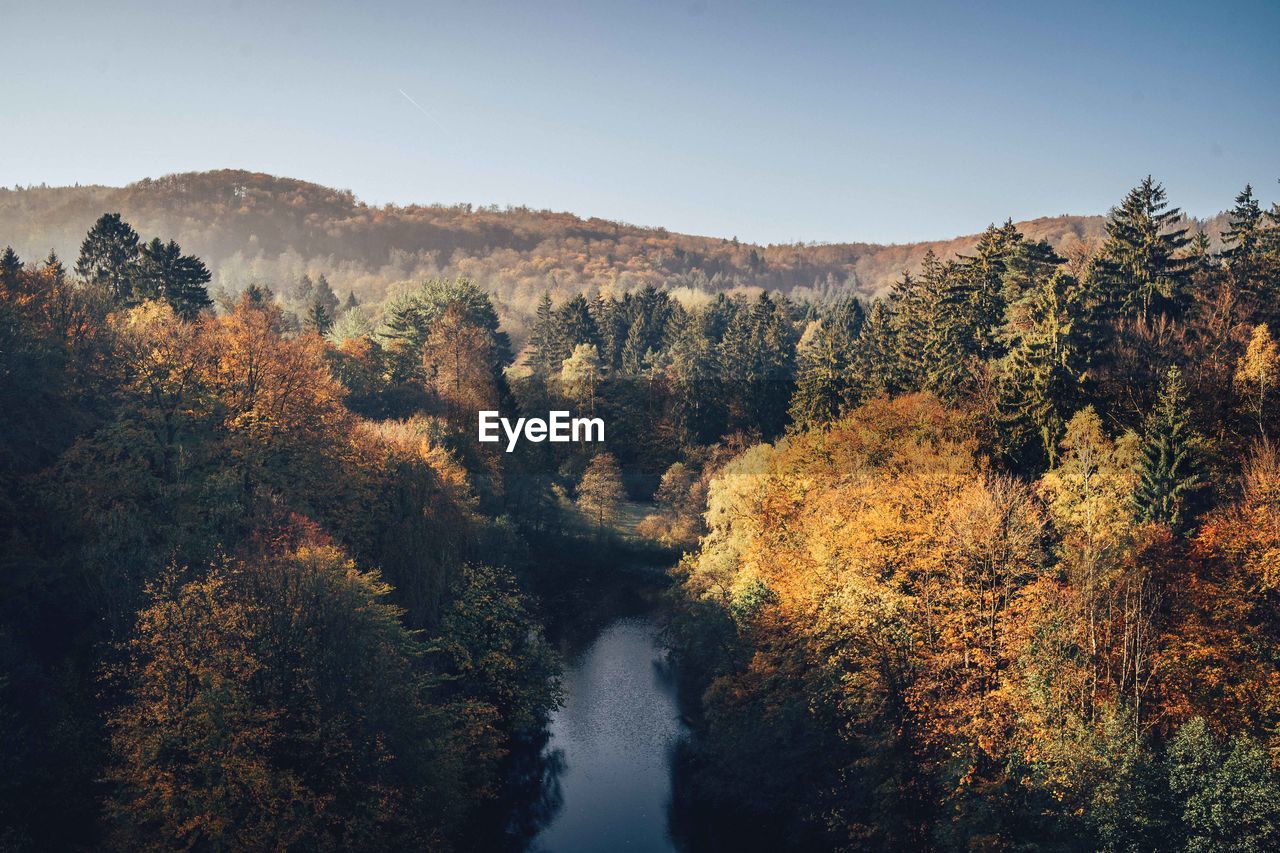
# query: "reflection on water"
[[607, 763]]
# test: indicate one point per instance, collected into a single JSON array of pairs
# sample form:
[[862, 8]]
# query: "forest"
[[250, 227], [988, 559]]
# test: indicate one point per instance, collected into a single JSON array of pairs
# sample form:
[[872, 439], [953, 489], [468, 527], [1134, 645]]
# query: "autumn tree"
[[582, 374], [600, 492], [1258, 374], [458, 364], [679, 502], [280, 699], [408, 319]]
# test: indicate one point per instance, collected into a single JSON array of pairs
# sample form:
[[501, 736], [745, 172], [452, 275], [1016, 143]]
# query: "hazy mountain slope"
[[255, 227]]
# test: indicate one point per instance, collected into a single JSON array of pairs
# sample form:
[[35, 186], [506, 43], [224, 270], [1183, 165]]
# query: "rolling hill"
[[255, 227]]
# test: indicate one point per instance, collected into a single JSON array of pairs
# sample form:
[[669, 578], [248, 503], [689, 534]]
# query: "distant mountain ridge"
[[251, 226]]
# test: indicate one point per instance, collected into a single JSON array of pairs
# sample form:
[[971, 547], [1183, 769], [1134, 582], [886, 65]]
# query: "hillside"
[[256, 227]]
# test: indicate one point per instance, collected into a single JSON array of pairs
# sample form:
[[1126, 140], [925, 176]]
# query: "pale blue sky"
[[773, 122]]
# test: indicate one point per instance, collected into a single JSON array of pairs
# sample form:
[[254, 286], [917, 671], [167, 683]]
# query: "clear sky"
[[773, 122]]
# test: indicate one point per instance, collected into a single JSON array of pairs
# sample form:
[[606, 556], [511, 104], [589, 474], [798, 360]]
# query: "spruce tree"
[[872, 357], [634, 351], [10, 268], [319, 319], [908, 320], [1243, 235], [929, 324], [163, 272], [823, 378], [543, 350], [1042, 376], [1251, 264], [324, 293], [697, 382], [980, 282], [54, 264], [1142, 270], [575, 325], [612, 323], [304, 290], [758, 355], [1167, 465], [109, 256]]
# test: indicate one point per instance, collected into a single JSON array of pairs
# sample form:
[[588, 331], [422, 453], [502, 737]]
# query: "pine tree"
[[611, 321], [54, 265], [1167, 465], [575, 325], [351, 302], [872, 359], [825, 384], [408, 319], [109, 256], [10, 268], [634, 351], [980, 282], [319, 319], [758, 357], [163, 272], [907, 322], [929, 332], [258, 294], [324, 293], [697, 382], [304, 290], [1243, 235], [822, 382], [1041, 378], [1141, 269], [544, 351], [1251, 262]]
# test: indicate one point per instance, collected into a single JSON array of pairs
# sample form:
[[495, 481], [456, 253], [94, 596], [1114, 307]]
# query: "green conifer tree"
[[1167, 465], [1142, 270], [542, 340], [1042, 376], [163, 272], [109, 256], [10, 268], [319, 319]]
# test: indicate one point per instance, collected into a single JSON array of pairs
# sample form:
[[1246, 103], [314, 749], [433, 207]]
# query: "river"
[[612, 743]]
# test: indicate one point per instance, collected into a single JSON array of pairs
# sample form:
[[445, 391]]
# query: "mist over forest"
[[255, 228]]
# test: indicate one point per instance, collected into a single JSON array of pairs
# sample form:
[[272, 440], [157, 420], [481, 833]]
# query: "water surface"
[[612, 741]]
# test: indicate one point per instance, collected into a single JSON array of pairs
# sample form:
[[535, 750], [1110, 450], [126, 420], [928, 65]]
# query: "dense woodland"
[[987, 562], [254, 228]]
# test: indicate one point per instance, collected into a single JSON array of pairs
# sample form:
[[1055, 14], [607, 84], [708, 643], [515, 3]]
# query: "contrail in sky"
[[418, 105]]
